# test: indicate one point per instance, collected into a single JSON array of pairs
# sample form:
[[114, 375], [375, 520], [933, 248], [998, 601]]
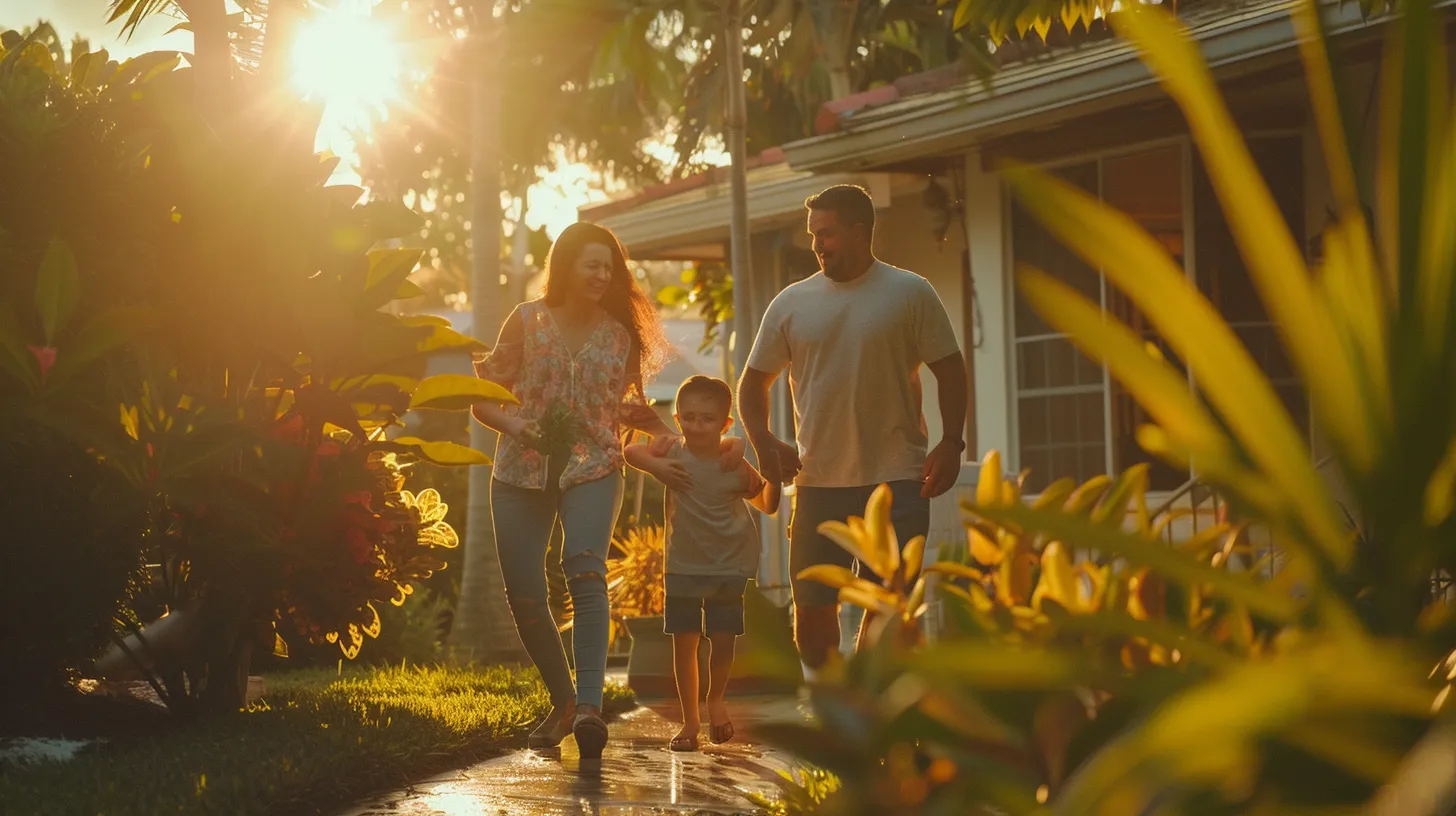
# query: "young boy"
[[712, 545]]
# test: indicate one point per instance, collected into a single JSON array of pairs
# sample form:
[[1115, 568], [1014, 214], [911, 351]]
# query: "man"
[[853, 337]]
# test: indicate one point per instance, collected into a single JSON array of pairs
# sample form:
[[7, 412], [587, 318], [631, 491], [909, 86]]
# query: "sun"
[[347, 61]]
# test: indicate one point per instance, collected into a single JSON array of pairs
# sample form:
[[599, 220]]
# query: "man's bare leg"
[[816, 633]]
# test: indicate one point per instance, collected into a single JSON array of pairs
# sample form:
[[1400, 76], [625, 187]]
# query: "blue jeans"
[[523, 521]]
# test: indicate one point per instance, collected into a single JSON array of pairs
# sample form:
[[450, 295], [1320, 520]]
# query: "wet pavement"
[[636, 775]]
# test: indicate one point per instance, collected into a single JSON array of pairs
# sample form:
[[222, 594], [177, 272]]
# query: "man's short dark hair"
[[851, 202], [710, 387]]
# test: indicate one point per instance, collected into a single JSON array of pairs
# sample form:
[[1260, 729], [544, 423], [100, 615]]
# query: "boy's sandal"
[[721, 733], [684, 744]]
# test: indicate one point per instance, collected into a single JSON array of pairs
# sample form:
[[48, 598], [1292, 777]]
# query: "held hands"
[[942, 468], [778, 461]]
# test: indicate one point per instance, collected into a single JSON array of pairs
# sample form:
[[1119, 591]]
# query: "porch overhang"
[[693, 224], [1234, 40]]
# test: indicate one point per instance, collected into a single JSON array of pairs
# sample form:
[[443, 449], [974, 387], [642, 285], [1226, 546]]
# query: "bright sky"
[[341, 61]]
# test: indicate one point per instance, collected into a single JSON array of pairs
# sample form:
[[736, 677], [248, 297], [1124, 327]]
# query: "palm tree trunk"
[[483, 629], [837, 46]]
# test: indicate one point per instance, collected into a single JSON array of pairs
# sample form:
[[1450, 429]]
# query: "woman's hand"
[[526, 432], [672, 473], [663, 443]]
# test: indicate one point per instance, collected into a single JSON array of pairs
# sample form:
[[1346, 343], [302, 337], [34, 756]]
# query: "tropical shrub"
[[1154, 678], [229, 360]]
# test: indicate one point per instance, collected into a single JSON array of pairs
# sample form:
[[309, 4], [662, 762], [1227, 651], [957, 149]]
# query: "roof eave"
[[1038, 94]]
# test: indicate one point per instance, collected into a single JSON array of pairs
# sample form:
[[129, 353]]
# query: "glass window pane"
[[1032, 244], [1061, 363], [1031, 364], [1033, 426]]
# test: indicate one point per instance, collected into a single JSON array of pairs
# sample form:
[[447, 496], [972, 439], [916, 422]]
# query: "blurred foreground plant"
[[1135, 677]]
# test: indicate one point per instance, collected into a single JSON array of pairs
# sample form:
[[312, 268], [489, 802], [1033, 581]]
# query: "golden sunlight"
[[349, 62]]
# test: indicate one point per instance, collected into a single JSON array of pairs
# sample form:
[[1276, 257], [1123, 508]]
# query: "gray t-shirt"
[[711, 531], [854, 352]]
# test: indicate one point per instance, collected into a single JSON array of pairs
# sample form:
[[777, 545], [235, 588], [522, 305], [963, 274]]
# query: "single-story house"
[[927, 148]]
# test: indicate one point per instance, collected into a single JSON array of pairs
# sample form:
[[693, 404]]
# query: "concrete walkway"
[[637, 774]]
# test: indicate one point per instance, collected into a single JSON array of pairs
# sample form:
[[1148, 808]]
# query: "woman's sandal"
[[591, 735], [684, 744], [720, 734]]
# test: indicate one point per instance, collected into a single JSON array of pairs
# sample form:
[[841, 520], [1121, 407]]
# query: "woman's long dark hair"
[[623, 300]]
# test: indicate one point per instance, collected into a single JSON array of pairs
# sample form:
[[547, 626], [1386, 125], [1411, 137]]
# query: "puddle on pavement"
[[636, 776]]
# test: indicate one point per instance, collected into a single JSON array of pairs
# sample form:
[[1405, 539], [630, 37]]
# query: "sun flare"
[[347, 61]]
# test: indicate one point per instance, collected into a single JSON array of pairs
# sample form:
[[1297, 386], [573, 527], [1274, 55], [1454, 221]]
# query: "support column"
[[991, 364]]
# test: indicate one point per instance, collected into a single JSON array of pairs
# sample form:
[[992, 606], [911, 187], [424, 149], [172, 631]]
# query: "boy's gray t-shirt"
[[854, 351], [712, 537]]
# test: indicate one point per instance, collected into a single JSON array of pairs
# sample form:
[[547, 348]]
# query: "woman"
[[584, 351]]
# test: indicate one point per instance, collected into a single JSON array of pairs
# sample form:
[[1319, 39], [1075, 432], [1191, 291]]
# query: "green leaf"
[[442, 453], [57, 289], [15, 359], [456, 392], [388, 271], [408, 289], [102, 334]]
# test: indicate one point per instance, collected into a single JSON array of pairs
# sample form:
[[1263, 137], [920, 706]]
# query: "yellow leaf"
[[1438, 249], [983, 549], [831, 575], [913, 556], [130, 421], [864, 600], [843, 535], [1042, 25], [1087, 494], [915, 606], [956, 570], [1325, 105], [1058, 581], [884, 546], [1440, 498], [1013, 585], [1055, 494], [988, 485]]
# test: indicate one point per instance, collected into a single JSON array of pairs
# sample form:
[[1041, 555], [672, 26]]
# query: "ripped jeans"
[[523, 521]]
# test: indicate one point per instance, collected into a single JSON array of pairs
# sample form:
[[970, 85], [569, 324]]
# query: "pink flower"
[[46, 356]]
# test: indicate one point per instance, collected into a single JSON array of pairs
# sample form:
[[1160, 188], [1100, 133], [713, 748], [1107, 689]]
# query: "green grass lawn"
[[317, 742]]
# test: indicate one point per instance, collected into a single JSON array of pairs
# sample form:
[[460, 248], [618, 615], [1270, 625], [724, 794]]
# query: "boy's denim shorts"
[[718, 612]]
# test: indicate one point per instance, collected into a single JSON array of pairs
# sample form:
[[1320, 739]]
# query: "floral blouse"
[[599, 384]]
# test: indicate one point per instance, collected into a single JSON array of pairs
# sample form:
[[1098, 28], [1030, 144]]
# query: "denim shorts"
[[712, 613], [909, 514]]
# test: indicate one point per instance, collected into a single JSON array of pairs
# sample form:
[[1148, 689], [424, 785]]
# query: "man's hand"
[[942, 468], [778, 461]]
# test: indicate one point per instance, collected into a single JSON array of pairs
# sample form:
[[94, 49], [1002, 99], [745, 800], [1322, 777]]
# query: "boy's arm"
[[765, 494], [639, 455]]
